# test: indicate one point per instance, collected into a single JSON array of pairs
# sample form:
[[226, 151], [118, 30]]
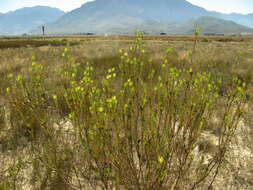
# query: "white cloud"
[[226, 6]]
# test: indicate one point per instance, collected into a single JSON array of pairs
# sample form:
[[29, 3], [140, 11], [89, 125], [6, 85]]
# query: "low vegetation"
[[10, 43], [123, 115]]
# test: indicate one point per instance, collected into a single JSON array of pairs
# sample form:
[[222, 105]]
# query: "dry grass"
[[84, 114]]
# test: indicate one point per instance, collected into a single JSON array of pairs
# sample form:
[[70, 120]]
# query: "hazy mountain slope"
[[92, 25], [207, 24], [246, 20], [1, 17], [153, 16], [23, 20], [157, 10], [216, 25]]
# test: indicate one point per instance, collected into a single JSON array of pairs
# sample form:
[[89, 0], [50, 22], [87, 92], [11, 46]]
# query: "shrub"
[[148, 126], [28, 102], [204, 40], [137, 118]]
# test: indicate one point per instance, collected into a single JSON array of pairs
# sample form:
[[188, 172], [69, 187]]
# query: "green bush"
[[28, 101], [148, 126], [136, 126], [204, 40]]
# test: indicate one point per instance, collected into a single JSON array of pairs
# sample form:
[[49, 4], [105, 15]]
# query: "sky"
[[65, 5], [225, 6]]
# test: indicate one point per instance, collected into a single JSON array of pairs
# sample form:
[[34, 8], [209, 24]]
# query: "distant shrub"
[[204, 40]]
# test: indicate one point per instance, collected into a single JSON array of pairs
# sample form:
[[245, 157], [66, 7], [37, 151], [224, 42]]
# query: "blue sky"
[[226, 6]]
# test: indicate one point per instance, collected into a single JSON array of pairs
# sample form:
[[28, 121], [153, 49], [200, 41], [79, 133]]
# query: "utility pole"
[[43, 30]]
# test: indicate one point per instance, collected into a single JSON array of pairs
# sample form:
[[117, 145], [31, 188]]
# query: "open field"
[[36, 41], [126, 112]]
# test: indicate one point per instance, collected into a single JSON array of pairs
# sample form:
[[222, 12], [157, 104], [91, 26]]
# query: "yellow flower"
[[108, 77], [101, 109], [8, 90], [71, 115], [160, 159], [54, 97], [19, 77]]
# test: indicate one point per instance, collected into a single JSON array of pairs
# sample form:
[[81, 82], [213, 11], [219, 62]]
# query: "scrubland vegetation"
[[117, 114]]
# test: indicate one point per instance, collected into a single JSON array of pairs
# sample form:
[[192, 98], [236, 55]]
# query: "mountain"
[[23, 20], [213, 25], [246, 20], [208, 24], [220, 26], [101, 15], [152, 16]]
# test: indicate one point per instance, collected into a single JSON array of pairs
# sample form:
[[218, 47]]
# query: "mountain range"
[[126, 16], [23, 20]]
